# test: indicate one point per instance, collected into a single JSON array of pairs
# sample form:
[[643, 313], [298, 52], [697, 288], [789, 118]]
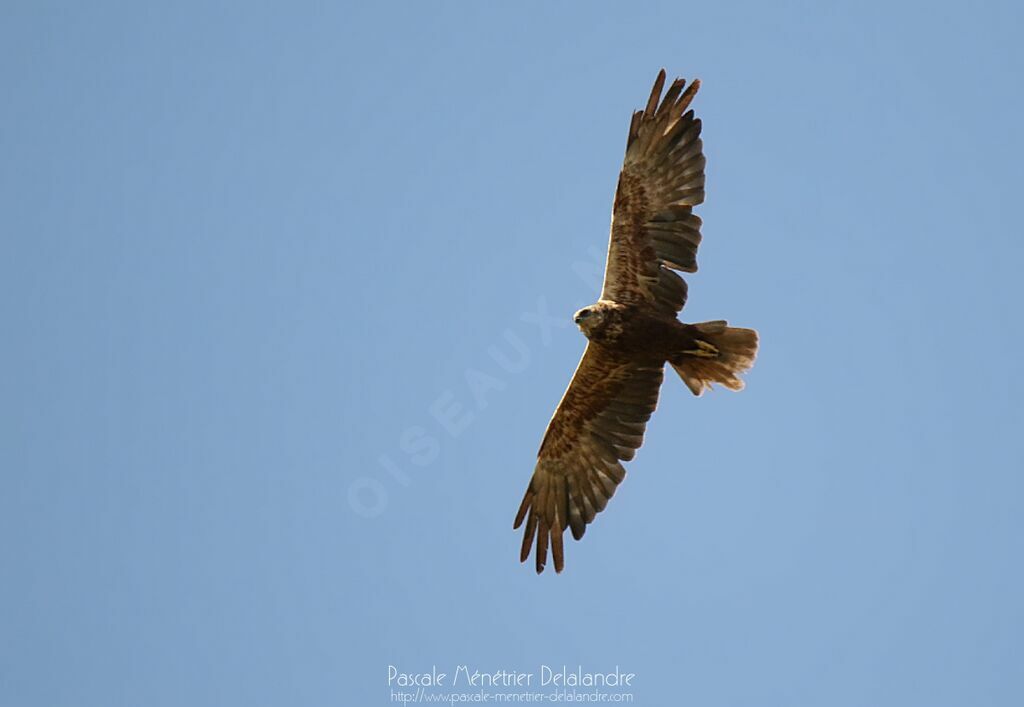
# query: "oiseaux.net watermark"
[[454, 410]]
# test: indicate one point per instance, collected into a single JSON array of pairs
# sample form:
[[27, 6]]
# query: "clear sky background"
[[250, 251]]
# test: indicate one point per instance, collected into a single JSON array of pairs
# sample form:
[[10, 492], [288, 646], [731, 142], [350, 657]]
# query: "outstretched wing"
[[599, 422], [654, 230]]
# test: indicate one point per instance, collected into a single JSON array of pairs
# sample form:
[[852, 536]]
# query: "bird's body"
[[637, 332], [632, 329]]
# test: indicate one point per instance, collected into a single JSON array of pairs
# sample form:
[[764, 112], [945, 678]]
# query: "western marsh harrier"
[[632, 330]]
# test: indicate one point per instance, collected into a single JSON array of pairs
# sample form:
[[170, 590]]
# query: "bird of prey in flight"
[[632, 330]]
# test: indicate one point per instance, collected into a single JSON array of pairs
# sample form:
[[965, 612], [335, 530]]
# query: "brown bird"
[[632, 329]]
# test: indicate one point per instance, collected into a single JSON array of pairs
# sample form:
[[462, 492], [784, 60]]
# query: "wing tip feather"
[[652, 102], [523, 508]]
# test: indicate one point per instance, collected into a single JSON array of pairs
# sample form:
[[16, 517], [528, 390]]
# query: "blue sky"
[[286, 294]]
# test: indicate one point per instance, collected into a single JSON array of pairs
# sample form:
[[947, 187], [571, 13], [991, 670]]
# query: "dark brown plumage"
[[632, 330]]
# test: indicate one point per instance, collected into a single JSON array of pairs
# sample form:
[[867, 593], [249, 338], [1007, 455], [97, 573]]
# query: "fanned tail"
[[720, 354]]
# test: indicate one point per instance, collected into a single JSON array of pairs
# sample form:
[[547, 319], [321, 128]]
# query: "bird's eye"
[[584, 313]]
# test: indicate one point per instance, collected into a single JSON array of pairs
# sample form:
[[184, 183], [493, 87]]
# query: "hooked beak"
[[577, 319]]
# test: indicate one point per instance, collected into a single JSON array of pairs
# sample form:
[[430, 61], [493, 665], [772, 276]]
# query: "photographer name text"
[[546, 675]]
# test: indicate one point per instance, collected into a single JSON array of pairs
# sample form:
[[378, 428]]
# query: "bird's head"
[[590, 319]]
